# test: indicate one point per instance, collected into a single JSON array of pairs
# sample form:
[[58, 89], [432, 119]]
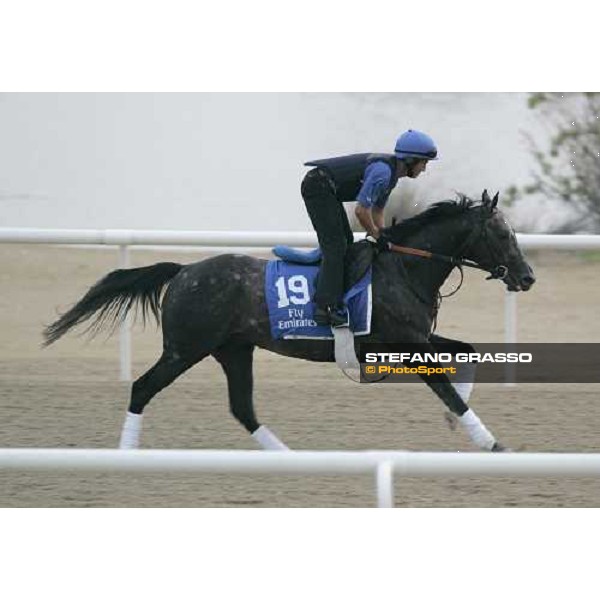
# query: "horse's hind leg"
[[168, 367], [237, 364]]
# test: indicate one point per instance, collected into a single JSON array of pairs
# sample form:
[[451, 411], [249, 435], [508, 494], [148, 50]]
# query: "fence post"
[[510, 334], [385, 484], [125, 328]]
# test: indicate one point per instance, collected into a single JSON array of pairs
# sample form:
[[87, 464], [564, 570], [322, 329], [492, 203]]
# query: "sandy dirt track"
[[68, 396]]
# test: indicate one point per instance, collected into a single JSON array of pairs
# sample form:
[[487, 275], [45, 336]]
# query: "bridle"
[[497, 271]]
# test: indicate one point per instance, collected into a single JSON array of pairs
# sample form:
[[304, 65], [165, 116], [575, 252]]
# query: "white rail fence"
[[383, 465], [124, 239]]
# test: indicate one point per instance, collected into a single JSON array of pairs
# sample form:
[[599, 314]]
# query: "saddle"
[[359, 258]]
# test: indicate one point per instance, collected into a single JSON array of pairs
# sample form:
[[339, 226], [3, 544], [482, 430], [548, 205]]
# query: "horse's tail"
[[113, 296]]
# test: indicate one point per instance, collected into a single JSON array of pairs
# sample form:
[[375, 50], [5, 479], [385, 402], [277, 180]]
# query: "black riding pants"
[[330, 221]]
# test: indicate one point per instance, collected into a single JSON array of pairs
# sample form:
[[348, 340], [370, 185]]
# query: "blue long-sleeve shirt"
[[374, 191]]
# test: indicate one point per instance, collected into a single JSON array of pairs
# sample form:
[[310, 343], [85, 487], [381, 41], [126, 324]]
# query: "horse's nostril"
[[528, 281]]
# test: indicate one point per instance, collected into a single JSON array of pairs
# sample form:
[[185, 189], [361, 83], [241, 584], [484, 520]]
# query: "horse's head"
[[492, 243], [463, 230]]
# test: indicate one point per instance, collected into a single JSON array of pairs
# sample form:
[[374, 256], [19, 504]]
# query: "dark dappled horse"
[[217, 307]]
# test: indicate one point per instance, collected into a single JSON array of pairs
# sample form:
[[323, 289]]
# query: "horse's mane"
[[434, 213]]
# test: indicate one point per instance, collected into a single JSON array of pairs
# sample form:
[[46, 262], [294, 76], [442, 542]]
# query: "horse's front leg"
[[465, 377], [471, 423]]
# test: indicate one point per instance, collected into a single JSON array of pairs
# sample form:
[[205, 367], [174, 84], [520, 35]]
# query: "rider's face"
[[417, 168]]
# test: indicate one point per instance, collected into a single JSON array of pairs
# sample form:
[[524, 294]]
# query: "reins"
[[498, 272]]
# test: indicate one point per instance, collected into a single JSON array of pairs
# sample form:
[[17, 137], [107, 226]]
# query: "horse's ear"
[[485, 198], [394, 221], [495, 200]]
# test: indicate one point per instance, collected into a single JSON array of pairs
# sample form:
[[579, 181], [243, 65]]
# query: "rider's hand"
[[383, 243]]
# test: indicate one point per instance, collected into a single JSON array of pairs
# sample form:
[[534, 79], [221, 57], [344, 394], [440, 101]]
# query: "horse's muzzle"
[[522, 284], [527, 282]]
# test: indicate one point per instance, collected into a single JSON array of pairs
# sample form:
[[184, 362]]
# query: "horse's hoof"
[[451, 420], [498, 447]]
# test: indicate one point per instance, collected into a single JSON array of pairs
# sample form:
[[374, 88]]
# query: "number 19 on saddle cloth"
[[289, 289]]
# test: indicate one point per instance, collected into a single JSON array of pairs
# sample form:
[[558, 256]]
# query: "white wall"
[[221, 161]]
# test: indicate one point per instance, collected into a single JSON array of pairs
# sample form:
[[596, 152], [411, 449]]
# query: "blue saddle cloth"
[[289, 289]]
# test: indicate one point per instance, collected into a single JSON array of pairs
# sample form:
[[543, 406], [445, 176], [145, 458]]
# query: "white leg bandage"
[[268, 440], [477, 431], [466, 377], [130, 435], [464, 390]]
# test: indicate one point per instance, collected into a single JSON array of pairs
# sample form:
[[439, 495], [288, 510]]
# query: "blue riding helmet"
[[415, 144]]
